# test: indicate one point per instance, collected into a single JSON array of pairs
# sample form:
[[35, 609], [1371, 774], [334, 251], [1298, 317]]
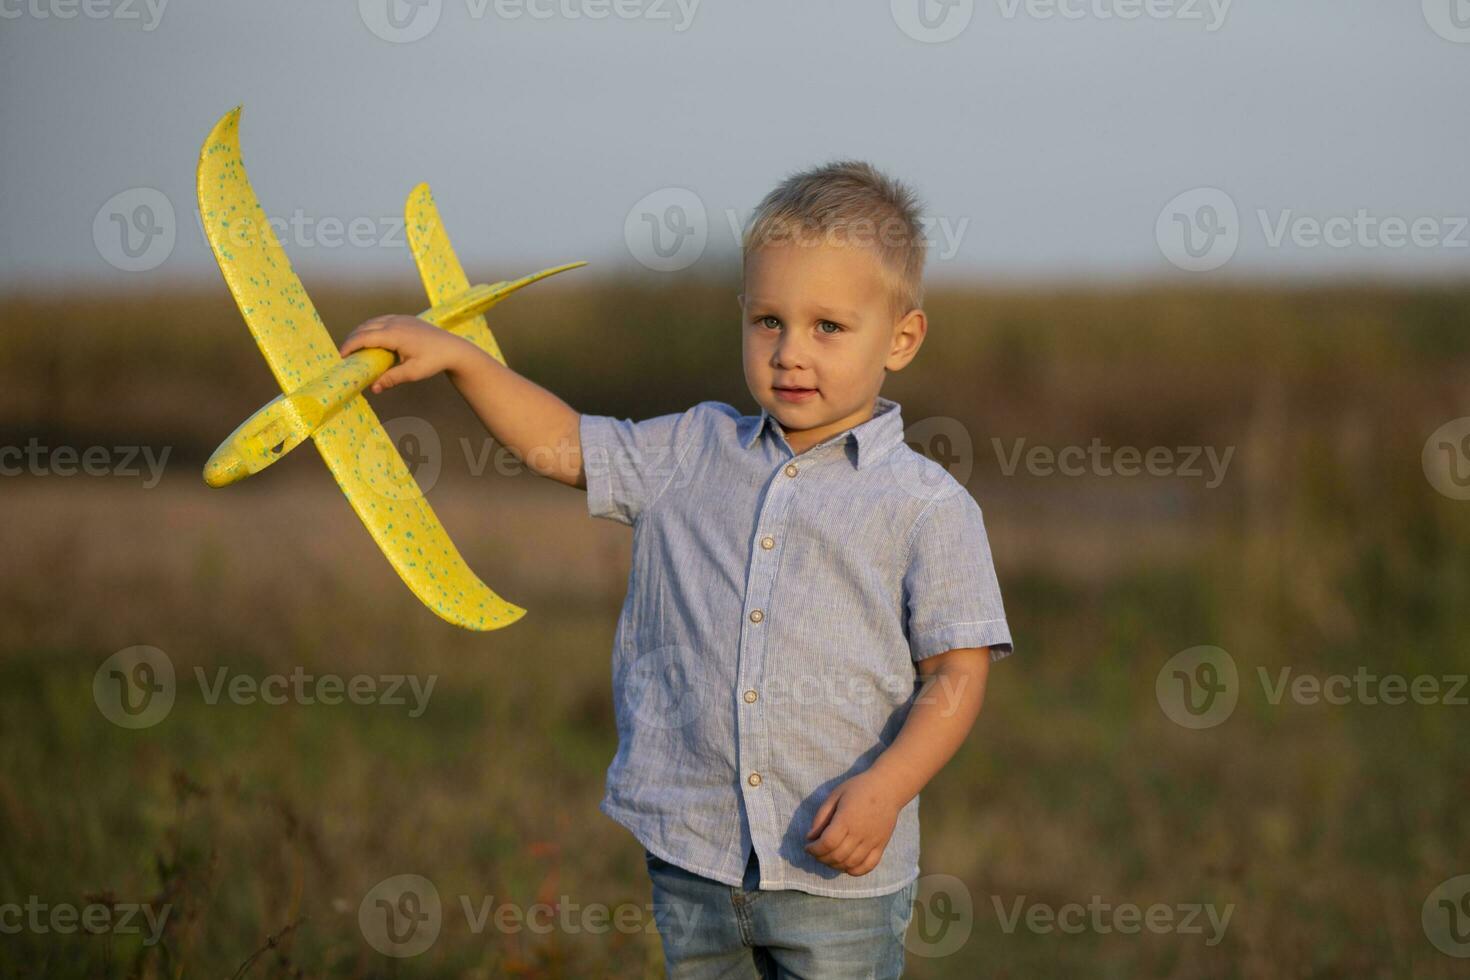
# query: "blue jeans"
[[712, 930]]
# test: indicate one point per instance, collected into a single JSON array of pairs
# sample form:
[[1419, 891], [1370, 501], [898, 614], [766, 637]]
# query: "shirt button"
[[750, 696], [768, 542], [755, 779], [790, 469], [756, 615]]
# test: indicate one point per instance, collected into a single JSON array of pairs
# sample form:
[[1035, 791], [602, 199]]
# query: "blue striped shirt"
[[777, 604]]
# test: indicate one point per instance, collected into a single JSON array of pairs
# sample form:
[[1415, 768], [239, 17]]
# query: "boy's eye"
[[774, 322]]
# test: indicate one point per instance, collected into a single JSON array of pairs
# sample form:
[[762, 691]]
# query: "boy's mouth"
[[791, 393]]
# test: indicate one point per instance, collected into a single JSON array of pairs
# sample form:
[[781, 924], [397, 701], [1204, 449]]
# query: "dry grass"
[[1325, 550]]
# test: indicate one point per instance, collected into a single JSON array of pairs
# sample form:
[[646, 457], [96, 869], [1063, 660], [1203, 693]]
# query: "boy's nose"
[[790, 354]]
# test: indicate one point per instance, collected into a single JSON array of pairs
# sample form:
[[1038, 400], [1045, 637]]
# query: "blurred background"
[[1198, 303]]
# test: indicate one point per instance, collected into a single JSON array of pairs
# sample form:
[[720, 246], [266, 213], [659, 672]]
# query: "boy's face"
[[817, 317]]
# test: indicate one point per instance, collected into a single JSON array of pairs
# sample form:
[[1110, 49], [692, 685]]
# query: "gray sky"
[[1049, 139]]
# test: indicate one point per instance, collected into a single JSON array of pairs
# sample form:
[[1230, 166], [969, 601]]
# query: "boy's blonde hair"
[[848, 202]]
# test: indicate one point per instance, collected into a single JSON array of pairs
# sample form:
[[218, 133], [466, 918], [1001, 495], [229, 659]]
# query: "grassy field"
[[1323, 551]]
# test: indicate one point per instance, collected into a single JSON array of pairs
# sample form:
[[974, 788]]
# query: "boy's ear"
[[908, 337]]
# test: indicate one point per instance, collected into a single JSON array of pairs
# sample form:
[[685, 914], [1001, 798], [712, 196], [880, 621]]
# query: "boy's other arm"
[[853, 825], [542, 430], [944, 711]]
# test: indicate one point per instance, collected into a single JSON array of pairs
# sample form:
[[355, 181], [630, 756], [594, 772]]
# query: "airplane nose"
[[224, 467]]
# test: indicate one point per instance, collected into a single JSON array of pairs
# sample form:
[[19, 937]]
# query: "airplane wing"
[[287, 328], [354, 445]]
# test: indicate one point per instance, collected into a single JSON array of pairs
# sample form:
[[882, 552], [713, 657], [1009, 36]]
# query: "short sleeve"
[[951, 596], [629, 464]]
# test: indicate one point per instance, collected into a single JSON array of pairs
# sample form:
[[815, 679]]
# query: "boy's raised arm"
[[542, 430]]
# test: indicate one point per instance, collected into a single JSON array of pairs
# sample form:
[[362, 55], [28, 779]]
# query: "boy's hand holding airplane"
[[536, 425], [423, 349]]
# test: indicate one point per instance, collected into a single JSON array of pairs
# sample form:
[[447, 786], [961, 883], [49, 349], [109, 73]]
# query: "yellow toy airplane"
[[322, 390]]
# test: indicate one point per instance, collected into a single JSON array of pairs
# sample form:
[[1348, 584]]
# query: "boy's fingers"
[[868, 863], [842, 856], [830, 840], [352, 343], [363, 336], [824, 813], [391, 377]]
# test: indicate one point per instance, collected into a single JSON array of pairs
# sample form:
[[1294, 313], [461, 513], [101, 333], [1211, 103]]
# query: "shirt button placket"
[[762, 581]]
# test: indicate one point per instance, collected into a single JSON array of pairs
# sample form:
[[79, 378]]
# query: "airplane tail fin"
[[457, 307], [443, 276]]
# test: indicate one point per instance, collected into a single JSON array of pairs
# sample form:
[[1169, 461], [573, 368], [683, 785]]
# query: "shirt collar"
[[871, 439]]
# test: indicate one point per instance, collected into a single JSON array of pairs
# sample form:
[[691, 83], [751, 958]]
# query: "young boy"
[[811, 610]]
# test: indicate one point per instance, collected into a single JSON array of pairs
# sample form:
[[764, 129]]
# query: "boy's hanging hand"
[[853, 825]]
